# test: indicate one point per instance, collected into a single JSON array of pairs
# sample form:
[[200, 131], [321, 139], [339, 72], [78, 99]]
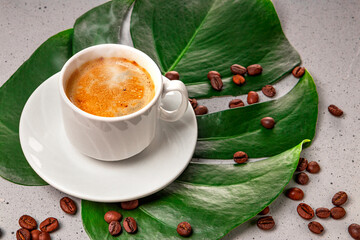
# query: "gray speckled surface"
[[327, 36]]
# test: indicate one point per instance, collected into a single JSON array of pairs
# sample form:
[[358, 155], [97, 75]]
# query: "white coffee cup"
[[117, 138]]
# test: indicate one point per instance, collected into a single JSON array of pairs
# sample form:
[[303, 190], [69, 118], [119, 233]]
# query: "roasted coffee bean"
[[35, 234], [302, 178], [236, 103], [49, 225], [130, 205], [238, 79], [316, 227], [334, 110], [240, 157], [354, 231], [213, 73], [216, 83], [298, 72], [68, 205], [339, 198], [201, 110], [23, 234], [27, 222], [172, 75], [184, 229], [313, 167], [238, 69], [44, 236], [269, 91], [193, 102], [268, 122], [130, 225], [266, 223], [302, 165], [252, 97], [295, 193], [322, 212], [114, 228], [254, 69], [112, 216], [264, 211], [305, 211], [337, 212]]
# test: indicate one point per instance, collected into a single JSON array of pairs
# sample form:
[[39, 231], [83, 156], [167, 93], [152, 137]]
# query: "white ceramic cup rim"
[[158, 86]]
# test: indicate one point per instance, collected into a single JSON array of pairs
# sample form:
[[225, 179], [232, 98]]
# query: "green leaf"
[[101, 24], [221, 134], [47, 60], [214, 199], [194, 37]]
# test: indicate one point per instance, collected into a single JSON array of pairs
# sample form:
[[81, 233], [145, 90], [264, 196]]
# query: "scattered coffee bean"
[[238, 69], [266, 223], [322, 212], [337, 212], [236, 103], [354, 231], [302, 178], [313, 167], [68, 205], [295, 193], [184, 229], [298, 72], [268, 122], [216, 83], [265, 211], [252, 97], [130, 205], [269, 91], [201, 110], [339, 198], [254, 69], [27, 222], [23, 234], [305, 211], [44, 236], [172, 75], [35, 234], [49, 225], [240, 157], [114, 228], [129, 224], [302, 164], [334, 110], [112, 216], [238, 79], [316, 227], [213, 73], [193, 102]]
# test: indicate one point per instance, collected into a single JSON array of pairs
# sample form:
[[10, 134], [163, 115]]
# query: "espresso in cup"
[[110, 87]]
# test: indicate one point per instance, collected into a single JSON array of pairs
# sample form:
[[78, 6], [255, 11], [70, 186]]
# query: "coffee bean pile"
[[216, 83], [306, 212], [29, 231], [113, 218], [28, 224]]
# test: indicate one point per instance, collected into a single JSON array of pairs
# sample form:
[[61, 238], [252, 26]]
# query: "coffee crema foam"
[[110, 87]]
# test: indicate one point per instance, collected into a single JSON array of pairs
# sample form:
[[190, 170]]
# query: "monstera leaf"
[[214, 199], [221, 134], [194, 37], [47, 60]]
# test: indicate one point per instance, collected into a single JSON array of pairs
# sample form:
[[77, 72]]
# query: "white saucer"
[[55, 160]]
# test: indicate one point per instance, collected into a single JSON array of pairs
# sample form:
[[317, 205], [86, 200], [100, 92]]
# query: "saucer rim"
[[86, 196]]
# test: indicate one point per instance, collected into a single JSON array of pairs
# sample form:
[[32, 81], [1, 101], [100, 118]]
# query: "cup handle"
[[170, 86]]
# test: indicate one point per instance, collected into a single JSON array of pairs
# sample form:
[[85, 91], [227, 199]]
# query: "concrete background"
[[327, 36]]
